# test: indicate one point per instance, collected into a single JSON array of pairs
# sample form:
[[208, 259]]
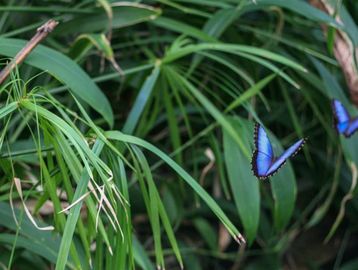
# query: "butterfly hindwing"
[[341, 116], [352, 128], [343, 122], [291, 151], [263, 154]]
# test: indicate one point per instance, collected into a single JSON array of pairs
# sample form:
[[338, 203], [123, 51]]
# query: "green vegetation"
[[126, 136]]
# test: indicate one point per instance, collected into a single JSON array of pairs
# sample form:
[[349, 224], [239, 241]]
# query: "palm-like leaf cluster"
[[131, 126]]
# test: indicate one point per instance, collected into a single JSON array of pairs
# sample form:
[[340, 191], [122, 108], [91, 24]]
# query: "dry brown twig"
[[41, 34], [343, 51]]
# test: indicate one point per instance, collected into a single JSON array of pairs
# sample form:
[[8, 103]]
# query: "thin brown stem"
[[41, 34], [344, 50]]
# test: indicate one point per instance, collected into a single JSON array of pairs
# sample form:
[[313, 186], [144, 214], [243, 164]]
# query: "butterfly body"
[[264, 163], [343, 123]]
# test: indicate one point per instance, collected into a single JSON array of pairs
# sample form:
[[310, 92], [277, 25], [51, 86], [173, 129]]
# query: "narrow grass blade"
[[74, 215], [116, 135], [141, 101], [65, 70]]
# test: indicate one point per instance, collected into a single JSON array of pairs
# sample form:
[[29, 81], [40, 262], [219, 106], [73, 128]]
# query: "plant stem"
[[41, 34]]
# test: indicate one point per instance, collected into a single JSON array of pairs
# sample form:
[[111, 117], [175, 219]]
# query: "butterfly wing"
[[291, 151], [341, 116], [353, 127], [263, 155]]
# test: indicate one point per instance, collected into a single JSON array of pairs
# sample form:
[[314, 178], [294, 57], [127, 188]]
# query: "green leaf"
[[100, 41], [124, 14], [232, 49], [7, 109], [215, 113], [116, 135], [65, 70], [42, 249], [207, 232], [284, 189], [181, 27], [44, 243], [251, 92], [298, 6], [107, 7], [141, 100], [220, 21], [151, 199], [244, 185], [141, 256], [74, 214]]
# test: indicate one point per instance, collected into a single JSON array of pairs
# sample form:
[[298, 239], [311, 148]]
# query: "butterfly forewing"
[[341, 116], [262, 141], [263, 154]]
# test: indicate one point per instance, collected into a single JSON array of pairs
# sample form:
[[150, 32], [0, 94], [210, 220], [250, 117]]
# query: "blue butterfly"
[[264, 163], [343, 122]]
